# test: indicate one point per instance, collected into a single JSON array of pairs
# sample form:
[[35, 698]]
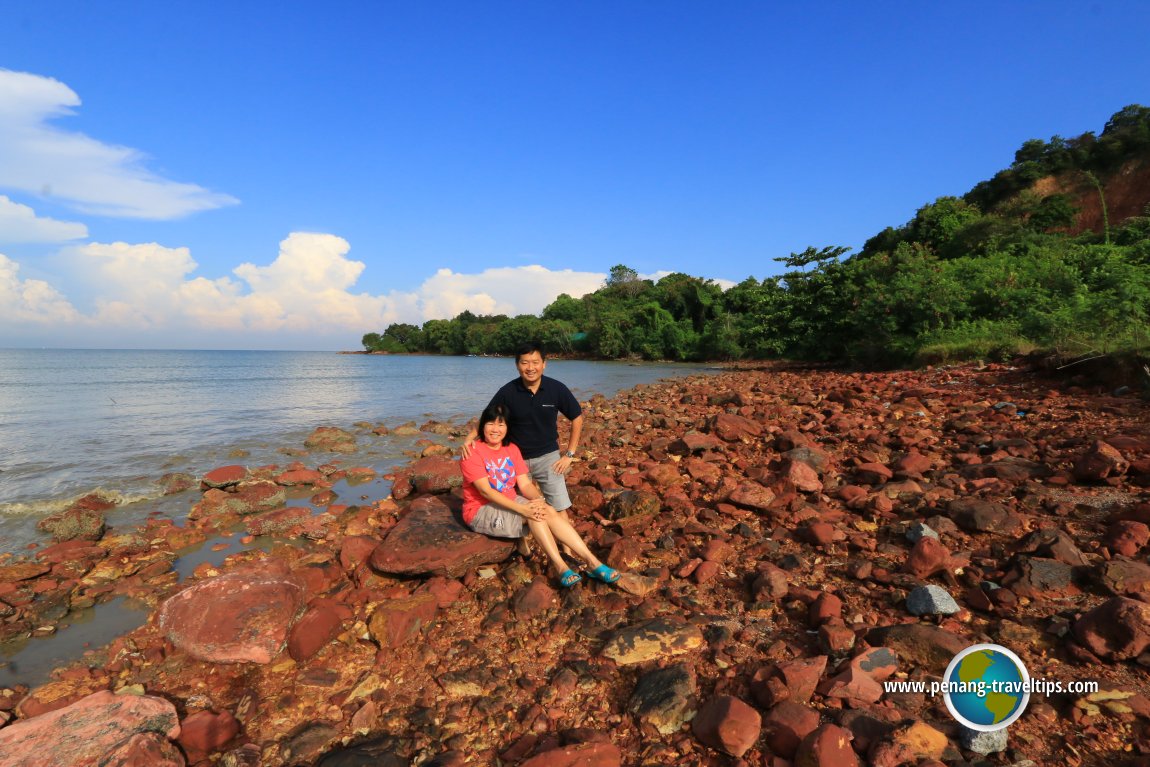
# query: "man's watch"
[[570, 454]]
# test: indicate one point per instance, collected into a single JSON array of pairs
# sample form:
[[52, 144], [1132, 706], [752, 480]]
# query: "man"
[[534, 402]]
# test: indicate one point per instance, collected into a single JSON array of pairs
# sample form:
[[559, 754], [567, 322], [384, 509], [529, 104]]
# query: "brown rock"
[[802, 476], [1127, 538], [977, 516], [930, 647], [318, 626], [431, 539], [1126, 578], [734, 428], [660, 637], [397, 621], [234, 618], [22, 571], [436, 474], [828, 746], [927, 557], [727, 724], [1116, 630], [1099, 462], [753, 495], [665, 698], [86, 731], [909, 744], [785, 726], [872, 474], [633, 505], [277, 522], [144, 749], [208, 731], [294, 477], [534, 599], [595, 754]]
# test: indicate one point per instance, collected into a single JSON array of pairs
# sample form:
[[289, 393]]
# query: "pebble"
[[931, 600], [983, 742]]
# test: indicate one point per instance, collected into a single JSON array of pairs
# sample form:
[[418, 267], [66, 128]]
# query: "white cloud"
[[19, 223], [91, 176], [501, 290], [35, 302]]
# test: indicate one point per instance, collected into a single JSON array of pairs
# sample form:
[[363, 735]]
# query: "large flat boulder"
[[241, 617], [432, 540], [86, 731]]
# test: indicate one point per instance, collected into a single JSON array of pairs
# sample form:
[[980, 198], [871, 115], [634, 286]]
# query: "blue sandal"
[[569, 579], [604, 573]]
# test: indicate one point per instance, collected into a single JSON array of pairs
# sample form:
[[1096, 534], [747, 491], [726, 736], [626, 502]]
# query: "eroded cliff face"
[[1127, 194]]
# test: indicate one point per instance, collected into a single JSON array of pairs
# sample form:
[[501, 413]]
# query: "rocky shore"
[[791, 540]]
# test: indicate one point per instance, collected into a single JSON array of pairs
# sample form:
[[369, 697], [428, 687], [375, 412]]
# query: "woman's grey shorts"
[[553, 485], [499, 522]]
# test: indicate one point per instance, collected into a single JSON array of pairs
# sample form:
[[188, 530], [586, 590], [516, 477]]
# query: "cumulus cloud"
[[20, 224], [91, 176], [307, 291], [35, 302]]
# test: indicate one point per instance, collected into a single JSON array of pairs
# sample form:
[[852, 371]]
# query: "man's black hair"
[[530, 347], [496, 412]]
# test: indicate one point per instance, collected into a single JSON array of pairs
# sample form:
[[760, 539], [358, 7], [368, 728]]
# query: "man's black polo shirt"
[[533, 424]]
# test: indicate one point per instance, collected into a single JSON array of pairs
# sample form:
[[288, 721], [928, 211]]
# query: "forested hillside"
[[1052, 253]]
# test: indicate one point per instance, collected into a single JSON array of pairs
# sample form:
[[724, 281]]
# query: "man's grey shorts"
[[553, 485], [499, 522]]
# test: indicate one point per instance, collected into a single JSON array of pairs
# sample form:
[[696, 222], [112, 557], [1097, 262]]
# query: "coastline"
[[766, 526]]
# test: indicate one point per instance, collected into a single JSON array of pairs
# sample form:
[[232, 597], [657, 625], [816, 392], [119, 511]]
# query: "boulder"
[[224, 476], [86, 731], [660, 637], [436, 474], [432, 540], [234, 618]]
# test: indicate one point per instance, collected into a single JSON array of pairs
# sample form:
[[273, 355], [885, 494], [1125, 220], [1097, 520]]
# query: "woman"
[[492, 473]]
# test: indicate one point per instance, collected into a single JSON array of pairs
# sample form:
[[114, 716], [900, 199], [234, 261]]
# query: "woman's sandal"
[[569, 579], [604, 573]]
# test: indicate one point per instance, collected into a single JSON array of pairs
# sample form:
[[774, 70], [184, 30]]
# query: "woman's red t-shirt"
[[500, 466]]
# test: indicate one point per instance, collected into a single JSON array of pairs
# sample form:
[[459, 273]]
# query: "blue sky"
[[292, 175]]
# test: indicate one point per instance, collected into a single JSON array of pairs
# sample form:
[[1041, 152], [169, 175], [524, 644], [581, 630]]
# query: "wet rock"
[[176, 482], [431, 539], [277, 522], [1099, 462], [436, 474], [979, 516], [1116, 630], [86, 731], [223, 477], [74, 524], [297, 477], [828, 746], [252, 497], [234, 618], [396, 622], [983, 742], [331, 439], [727, 724], [785, 726], [661, 637], [665, 698], [22, 571]]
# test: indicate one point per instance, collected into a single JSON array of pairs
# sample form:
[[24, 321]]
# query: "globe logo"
[[986, 687]]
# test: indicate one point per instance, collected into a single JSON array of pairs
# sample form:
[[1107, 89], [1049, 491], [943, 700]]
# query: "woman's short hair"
[[496, 412]]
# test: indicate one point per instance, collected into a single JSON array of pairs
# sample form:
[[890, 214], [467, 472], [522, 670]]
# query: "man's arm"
[[563, 465]]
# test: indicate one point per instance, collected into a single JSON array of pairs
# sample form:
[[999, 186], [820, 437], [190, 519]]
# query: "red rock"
[[664, 475], [224, 476], [852, 495], [356, 550], [445, 590], [74, 523], [436, 474], [208, 731], [927, 557], [584, 498], [1127, 538], [734, 428], [294, 477], [315, 628], [770, 584], [785, 726], [70, 551], [853, 685], [534, 599], [397, 621], [727, 724], [872, 474], [432, 540], [578, 755], [706, 571], [717, 550], [86, 731], [704, 472], [234, 618], [827, 746], [1099, 462], [1117, 630], [836, 639], [803, 477], [753, 495], [695, 442], [22, 571], [145, 749], [821, 534], [913, 464], [909, 744], [826, 608], [251, 497]]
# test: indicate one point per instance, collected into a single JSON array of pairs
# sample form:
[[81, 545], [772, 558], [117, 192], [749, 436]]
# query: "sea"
[[74, 422]]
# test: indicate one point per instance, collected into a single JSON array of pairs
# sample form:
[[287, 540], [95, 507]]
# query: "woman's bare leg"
[[542, 533], [564, 532]]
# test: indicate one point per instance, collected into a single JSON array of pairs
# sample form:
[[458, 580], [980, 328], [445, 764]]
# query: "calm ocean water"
[[74, 421]]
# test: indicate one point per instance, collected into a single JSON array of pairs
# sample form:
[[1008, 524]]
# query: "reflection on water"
[[29, 661]]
